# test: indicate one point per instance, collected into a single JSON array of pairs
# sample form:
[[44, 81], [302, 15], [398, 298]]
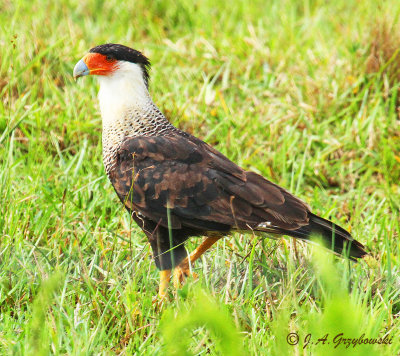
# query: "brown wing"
[[202, 189]]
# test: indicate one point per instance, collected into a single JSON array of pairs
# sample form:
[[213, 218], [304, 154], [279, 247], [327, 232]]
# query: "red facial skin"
[[98, 64]]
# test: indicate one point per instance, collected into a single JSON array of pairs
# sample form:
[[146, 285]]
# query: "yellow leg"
[[205, 245], [183, 269], [165, 276]]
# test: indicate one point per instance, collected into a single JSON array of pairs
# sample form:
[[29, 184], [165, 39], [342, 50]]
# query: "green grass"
[[284, 88]]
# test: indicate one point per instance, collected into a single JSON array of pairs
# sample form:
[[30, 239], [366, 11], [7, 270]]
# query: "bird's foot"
[[165, 276], [181, 272], [159, 301]]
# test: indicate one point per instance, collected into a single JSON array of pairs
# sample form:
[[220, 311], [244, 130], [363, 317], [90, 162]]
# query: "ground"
[[305, 93]]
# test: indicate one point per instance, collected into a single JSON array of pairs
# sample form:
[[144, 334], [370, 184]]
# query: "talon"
[[158, 302], [181, 272]]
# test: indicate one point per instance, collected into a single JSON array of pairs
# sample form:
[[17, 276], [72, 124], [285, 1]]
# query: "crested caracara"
[[176, 186]]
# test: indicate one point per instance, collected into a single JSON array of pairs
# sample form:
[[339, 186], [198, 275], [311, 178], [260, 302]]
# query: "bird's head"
[[109, 60]]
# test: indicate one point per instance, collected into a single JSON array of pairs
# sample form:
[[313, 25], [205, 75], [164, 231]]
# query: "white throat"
[[122, 91], [127, 110]]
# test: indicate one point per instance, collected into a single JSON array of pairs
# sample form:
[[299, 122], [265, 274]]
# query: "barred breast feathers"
[[127, 110]]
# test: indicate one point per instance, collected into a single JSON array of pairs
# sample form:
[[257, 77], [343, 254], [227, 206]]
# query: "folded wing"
[[201, 188]]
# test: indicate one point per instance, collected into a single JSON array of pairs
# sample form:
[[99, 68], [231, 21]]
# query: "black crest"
[[124, 53]]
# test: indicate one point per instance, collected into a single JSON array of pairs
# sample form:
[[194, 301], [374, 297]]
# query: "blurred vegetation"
[[305, 93]]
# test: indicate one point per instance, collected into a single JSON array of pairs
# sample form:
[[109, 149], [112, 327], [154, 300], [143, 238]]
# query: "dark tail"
[[335, 237]]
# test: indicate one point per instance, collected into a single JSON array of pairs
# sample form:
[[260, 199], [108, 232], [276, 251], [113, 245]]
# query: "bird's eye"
[[109, 58]]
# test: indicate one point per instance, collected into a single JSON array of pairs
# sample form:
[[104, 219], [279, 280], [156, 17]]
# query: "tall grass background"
[[305, 93]]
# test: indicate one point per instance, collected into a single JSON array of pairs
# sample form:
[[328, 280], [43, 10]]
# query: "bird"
[[175, 186]]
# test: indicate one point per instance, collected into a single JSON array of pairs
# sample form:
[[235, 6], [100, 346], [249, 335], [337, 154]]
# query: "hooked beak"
[[80, 69]]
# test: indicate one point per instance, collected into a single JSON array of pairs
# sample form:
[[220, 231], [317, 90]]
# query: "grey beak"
[[80, 69]]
